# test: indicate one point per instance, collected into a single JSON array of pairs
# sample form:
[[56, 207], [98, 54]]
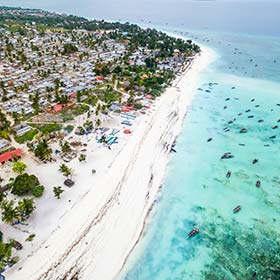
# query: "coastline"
[[132, 183], [197, 66]]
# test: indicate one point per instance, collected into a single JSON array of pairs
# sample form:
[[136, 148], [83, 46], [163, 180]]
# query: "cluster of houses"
[[43, 63], [34, 65], [34, 62]]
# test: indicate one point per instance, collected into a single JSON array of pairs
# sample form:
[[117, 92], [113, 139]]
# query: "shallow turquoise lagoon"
[[197, 192]]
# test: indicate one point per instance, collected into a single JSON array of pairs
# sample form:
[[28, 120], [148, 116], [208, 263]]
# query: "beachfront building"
[[4, 145], [10, 156]]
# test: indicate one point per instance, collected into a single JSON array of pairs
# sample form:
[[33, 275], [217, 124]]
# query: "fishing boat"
[[243, 130], [227, 156], [228, 174], [237, 209], [193, 233]]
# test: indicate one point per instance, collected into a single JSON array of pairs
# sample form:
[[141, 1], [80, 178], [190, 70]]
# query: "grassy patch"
[[27, 136], [91, 100], [47, 128], [76, 111], [4, 134], [67, 116]]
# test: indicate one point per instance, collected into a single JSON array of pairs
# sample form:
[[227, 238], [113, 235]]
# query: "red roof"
[[73, 95], [127, 108], [57, 108], [10, 155]]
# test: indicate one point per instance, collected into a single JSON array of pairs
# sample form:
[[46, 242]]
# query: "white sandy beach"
[[93, 228]]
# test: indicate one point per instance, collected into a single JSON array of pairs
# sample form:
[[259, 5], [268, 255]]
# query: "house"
[[73, 95], [115, 107], [127, 108], [4, 144], [21, 129], [99, 78], [58, 108], [9, 156]]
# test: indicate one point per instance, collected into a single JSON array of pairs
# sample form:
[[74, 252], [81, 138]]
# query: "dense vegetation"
[[25, 184], [150, 38]]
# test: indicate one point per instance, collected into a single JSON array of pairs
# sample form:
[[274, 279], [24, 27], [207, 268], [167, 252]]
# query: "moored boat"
[[194, 232], [237, 209], [258, 183]]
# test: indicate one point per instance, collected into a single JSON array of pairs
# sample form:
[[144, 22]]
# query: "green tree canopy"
[[57, 191], [25, 184], [25, 208], [19, 167]]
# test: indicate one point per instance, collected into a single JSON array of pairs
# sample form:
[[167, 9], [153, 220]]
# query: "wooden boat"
[[237, 209], [254, 275], [227, 156], [193, 233], [243, 130]]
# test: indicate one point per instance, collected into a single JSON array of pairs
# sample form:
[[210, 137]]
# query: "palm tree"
[[82, 157], [57, 191], [5, 254], [65, 170], [98, 122], [48, 153], [65, 147], [9, 212], [43, 151], [25, 208]]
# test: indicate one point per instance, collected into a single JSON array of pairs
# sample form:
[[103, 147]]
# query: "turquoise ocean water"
[[196, 191]]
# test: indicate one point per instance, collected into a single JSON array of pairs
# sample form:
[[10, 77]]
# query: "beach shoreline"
[[88, 236], [208, 57]]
